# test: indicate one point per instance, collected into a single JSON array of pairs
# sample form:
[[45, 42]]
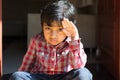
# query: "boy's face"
[[54, 33]]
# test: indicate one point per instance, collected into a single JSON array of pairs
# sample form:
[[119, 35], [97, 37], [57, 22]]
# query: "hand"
[[70, 29]]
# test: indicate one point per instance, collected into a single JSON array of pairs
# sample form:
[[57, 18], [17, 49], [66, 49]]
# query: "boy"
[[57, 52]]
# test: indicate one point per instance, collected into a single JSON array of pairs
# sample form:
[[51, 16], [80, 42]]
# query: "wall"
[[86, 24], [15, 14], [34, 26]]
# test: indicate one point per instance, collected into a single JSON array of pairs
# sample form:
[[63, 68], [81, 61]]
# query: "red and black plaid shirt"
[[42, 57]]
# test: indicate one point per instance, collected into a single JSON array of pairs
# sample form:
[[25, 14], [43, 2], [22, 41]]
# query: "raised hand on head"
[[70, 29]]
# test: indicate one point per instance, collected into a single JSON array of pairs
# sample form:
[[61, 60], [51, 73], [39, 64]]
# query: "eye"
[[60, 29], [47, 28]]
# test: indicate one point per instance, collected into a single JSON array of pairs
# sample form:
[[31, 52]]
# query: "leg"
[[28, 76], [78, 74]]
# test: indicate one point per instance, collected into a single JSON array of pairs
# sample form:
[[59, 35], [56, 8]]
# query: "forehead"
[[54, 24]]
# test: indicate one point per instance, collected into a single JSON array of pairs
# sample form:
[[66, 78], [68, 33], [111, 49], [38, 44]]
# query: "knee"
[[84, 73], [15, 75]]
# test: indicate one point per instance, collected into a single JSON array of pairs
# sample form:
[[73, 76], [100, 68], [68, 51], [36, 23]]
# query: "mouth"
[[54, 40]]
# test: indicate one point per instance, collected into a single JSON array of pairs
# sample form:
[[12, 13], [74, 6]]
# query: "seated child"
[[56, 53]]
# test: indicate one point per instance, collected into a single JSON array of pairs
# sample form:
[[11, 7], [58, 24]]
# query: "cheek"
[[46, 35], [62, 36]]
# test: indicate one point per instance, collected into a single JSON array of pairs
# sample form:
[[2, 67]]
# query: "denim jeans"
[[75, 74]]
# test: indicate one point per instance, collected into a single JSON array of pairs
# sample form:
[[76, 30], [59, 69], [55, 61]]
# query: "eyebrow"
[[60, 27]]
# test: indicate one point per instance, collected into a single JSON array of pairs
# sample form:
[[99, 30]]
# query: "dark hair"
[[57, 10]]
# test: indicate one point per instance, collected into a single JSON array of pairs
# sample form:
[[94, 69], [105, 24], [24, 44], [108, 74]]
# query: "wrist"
[[74, 37]]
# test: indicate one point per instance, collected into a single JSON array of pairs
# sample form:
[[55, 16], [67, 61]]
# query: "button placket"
[[52, 69], [53, 59]]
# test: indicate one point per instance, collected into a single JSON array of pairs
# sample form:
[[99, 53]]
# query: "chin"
[[54, 44]]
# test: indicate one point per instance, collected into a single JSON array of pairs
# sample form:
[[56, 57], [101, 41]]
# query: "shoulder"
[[38, 37]]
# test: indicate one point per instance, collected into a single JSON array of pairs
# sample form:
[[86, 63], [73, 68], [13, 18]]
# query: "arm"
[[77, 55], [29, 58]]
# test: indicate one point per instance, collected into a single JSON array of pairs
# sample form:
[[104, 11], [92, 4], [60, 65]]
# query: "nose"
[[53, 34]]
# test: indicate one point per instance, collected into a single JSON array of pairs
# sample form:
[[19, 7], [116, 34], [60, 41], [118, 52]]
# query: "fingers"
[[65, 23], [73, 25], [68, 27], [66, 32]]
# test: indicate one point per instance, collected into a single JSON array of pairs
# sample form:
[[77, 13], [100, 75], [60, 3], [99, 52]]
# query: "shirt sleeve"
[[77, 56], [28, 60]]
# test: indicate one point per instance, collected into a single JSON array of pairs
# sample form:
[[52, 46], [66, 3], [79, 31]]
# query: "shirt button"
[[52, 69], [42, 54], [63, 53], [53, 59], [58, 55]]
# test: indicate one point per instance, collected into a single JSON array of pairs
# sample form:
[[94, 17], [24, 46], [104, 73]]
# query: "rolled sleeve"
[[74, 45], [78, 57]]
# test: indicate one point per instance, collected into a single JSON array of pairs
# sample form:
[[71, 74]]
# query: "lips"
[[53, 40]]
